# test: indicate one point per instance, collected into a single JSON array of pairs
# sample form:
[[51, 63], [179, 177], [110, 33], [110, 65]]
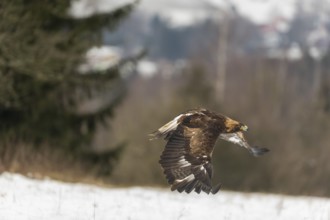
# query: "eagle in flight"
[[191, 136]]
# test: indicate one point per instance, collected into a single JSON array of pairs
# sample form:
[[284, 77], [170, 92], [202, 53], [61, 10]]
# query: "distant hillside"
[[300, 28]]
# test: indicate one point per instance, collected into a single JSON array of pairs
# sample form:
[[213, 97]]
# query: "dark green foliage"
[[41, 91]]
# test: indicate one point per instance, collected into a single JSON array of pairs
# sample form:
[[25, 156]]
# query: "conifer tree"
[[41, 89]]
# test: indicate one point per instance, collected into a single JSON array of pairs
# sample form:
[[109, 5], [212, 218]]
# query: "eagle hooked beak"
[[244, 128]]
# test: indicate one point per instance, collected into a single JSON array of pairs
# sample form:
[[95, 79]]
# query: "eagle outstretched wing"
[[186, 159], [191, 136]]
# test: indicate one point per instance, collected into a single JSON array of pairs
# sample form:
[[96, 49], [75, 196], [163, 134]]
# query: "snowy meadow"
[[24, 198]]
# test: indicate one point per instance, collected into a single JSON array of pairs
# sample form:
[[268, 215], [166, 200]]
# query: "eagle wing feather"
[[186, 159]]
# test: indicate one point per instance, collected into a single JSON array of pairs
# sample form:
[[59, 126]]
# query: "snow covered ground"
[[23, 198]]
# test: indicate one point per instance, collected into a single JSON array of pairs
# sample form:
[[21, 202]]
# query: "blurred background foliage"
[[58, 122], [42, 93], [281, 115]]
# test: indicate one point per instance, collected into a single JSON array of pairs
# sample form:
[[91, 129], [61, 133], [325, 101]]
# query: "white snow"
[[187, 12], [179, 14], [178, 18], [101, 59], [22, 198], [318, 41], [147, 68], [85, 8], [294, 52], [261, 12]]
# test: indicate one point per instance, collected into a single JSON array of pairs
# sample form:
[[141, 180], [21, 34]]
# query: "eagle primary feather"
[[191, 136]]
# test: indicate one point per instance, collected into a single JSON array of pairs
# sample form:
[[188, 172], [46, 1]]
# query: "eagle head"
[[234, 126]]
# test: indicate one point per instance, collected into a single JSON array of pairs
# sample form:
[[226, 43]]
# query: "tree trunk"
[[220, 82]]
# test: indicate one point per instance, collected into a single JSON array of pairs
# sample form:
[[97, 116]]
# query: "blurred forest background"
[[73, 110]]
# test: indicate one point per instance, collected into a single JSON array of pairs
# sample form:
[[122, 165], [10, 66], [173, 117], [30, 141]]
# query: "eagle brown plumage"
[[191, 136]]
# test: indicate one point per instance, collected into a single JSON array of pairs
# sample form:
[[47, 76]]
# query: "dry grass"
[[46, 161]]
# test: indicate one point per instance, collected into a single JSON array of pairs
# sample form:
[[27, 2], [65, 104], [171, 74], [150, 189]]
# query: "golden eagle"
[[186, 159]]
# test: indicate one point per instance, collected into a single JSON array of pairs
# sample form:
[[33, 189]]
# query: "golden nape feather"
[[191, 136]]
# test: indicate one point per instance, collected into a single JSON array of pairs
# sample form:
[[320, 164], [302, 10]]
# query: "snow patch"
[[100, 59], [262, 12], [147, 68], [187, 12], [86, 8], [22, 198]]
